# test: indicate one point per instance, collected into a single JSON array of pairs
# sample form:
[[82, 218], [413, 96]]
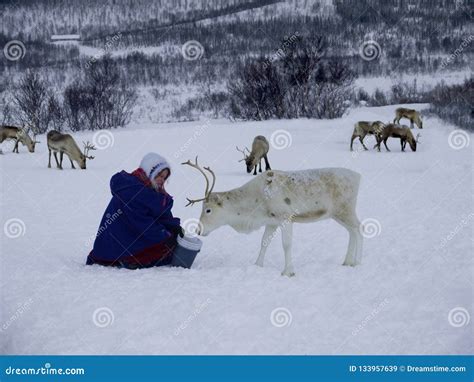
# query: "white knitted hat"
[[152, 164]]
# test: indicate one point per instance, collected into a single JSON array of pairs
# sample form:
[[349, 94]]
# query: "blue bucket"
[[186, 251]]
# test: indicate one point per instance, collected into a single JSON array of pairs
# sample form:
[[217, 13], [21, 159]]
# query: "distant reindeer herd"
[[383, 131], [59, 143]]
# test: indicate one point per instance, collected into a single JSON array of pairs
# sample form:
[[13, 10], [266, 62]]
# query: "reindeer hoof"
[[259, 263], [288, 273], [349, 263]]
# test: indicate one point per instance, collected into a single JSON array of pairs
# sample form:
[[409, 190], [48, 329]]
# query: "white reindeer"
[[277, 199]]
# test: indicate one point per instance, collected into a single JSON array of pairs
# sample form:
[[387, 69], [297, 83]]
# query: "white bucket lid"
[[192, 243]]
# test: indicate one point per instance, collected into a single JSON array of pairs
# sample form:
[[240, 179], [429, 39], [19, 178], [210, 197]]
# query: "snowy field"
[[411, 295]]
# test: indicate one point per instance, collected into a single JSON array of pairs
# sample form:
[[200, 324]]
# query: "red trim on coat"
[[147, 257]]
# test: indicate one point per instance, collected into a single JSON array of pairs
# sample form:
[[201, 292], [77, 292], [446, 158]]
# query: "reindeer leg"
[[49, 158], [255, 170], [55, 153], [287, 237], [72, 163], [352, 141], [61, 155], [266, 239], [403, 144], [385, 143], [267, 163], [411, 124], [379, 141], [15, 148], [354, 249], [361, 139], [260, 165]]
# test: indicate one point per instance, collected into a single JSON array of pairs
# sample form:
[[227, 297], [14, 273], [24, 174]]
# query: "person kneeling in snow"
[[138, 229]]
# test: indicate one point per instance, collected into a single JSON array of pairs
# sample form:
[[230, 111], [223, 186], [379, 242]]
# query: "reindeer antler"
[[208, 191], [243, 152], [213, 179], [87, 147]]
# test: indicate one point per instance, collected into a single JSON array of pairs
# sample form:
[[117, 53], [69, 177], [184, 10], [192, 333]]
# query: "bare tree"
[[101, 100], [30, 100]]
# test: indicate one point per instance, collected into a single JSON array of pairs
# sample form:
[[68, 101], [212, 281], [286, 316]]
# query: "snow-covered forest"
[[187, 78]]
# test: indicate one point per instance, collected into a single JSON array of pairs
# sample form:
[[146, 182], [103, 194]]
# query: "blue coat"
[[138, 219]]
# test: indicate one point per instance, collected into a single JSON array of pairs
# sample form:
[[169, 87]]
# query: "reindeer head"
[[25, 139], [249, 159], [418, 120], [411, 140], [87, 147], [212, 214]]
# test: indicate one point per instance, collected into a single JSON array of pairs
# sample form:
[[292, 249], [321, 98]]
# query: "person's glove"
[[177, 230]]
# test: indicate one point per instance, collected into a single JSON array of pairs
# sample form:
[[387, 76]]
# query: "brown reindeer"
[[18, 135], [397, 131], [411, 114], [65, 143], [260, 149], [362, 128]]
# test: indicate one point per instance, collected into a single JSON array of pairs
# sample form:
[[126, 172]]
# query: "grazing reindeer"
[[18, 135], [64, 143], [397, 131], [362, 128], [260, 149], [411, 114], [277, 199]]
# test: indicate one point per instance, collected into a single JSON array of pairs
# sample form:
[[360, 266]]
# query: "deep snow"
[[412, 293]]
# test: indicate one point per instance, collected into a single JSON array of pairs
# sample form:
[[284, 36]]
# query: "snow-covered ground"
[[411, 295]]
